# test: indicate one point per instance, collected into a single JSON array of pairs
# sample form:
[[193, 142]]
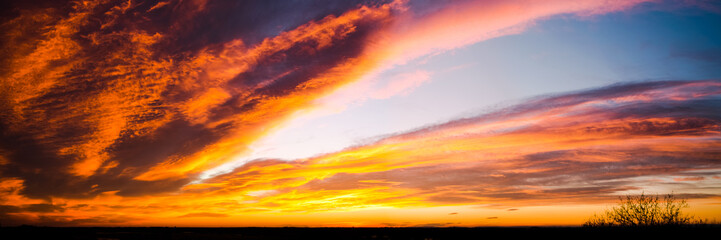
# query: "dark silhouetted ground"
[[104, 233]]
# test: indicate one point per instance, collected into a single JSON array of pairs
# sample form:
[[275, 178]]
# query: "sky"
[[377, 113]]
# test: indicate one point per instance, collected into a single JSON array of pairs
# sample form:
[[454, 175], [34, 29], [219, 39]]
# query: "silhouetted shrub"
[[645, 211]]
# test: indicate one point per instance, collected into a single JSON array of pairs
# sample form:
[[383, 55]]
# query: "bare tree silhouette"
[[644, 210]]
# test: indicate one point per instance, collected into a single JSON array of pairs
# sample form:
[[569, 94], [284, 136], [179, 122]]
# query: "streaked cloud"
[[579, 147], [110, 113], [120, 97], [103, 101]]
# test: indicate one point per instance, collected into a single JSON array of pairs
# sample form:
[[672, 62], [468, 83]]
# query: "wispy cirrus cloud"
[[122, 100], [109, 105], [141, 97], [581, 147], [577, 148]]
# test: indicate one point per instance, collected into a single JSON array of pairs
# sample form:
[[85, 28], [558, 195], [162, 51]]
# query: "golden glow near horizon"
[[114, 114]]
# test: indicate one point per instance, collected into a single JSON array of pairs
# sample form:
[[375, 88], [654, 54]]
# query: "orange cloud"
[[568, 149], [109, 111], [554, 150], [111, 99], [549, 151], [106, 102]]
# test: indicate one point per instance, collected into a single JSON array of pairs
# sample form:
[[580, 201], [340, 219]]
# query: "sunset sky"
[[382, 113]]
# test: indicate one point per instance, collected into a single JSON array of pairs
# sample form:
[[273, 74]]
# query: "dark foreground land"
[[104, 233]]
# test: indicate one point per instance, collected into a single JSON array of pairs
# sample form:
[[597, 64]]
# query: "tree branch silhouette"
[[645, 211]]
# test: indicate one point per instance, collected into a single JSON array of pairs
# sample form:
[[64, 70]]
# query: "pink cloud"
[[402, 84], [687, 179], [412, 35]]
